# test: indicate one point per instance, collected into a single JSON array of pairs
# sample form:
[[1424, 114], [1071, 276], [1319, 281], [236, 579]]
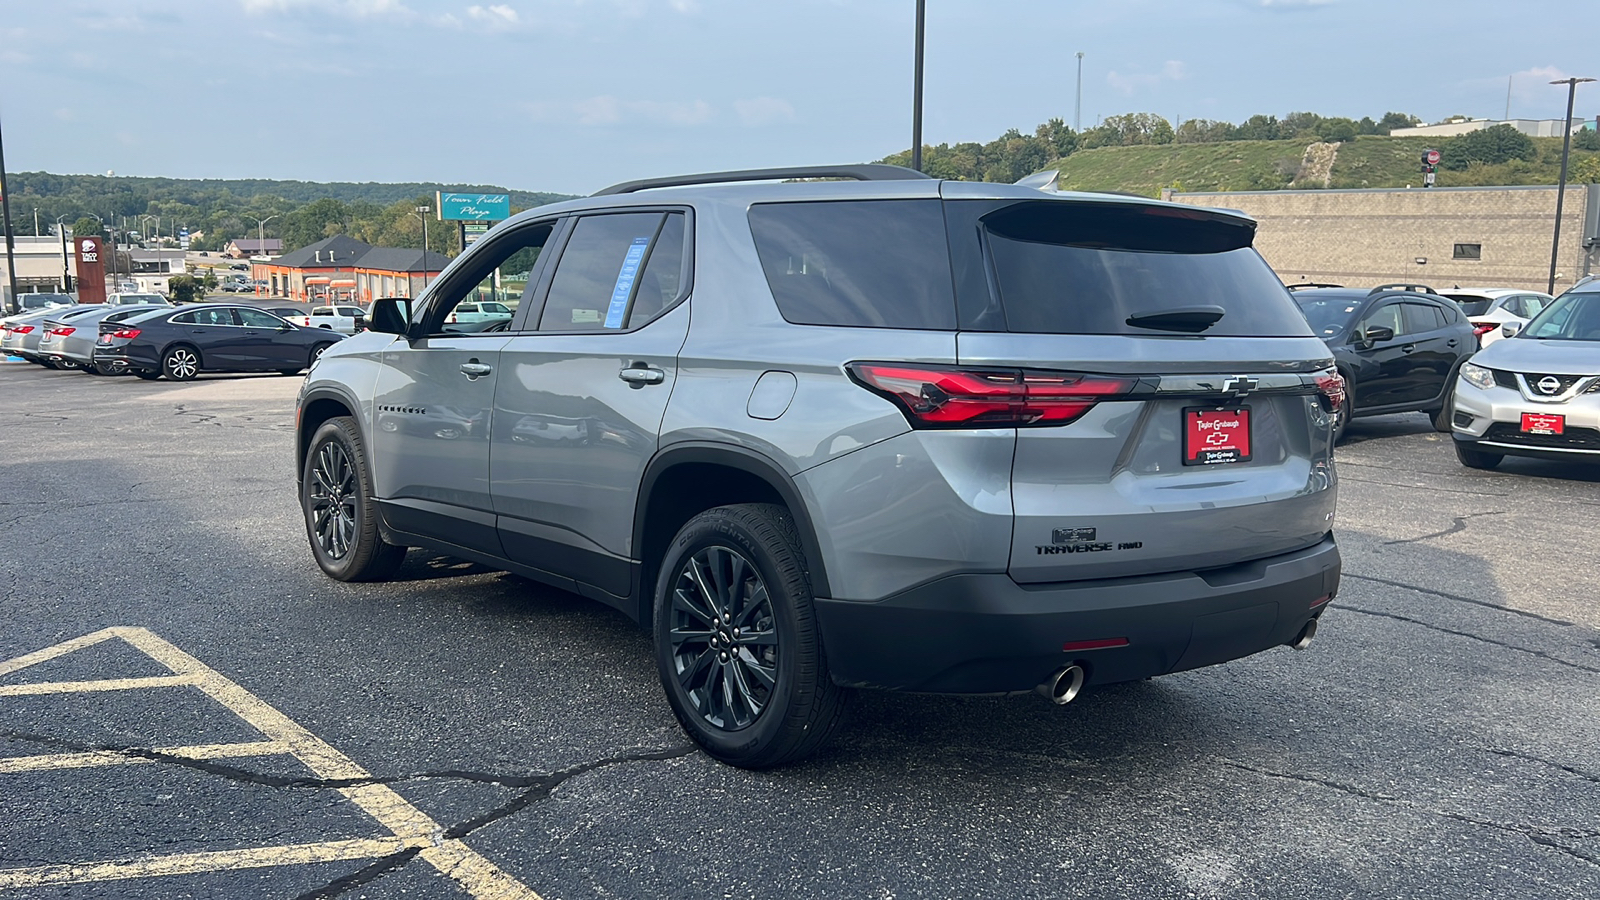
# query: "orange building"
[[343, 269]]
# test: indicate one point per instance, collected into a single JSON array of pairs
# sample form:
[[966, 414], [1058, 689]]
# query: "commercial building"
[[1481, 236], [342, 268], [1529, 127], [44, 263], [247, 247]]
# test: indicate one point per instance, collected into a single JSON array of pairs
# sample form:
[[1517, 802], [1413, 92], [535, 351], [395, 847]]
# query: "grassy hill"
[[1368, 161]]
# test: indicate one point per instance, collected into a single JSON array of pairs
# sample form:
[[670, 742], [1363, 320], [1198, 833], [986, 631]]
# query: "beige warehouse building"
[[1444, 237]]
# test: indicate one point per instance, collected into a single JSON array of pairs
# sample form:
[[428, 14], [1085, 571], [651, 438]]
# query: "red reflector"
[[1100, 644], [1321, 600], [950, 397], [126, 333], [1483, 328], [1330, 385]]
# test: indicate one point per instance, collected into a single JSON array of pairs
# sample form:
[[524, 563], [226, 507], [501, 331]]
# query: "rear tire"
[[181, 363], [336, 499], [1441, 416], [146, 374], [1477, 459], [316, 353], [737, 645]]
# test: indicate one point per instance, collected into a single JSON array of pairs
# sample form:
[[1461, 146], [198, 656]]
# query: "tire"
[[146, 374], [785, 705], [181, 363], [341, 520], [316, 353], [289, 372], [1473, 458], [67, 365], [1441, 416]]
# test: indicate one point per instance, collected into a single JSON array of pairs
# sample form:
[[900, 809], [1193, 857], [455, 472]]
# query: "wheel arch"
[[318, 406], [687, 479]]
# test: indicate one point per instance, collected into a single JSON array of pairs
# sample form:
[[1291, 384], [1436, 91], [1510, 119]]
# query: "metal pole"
[[1561, 189], [1509, 80], [66, 271], [916, 93], [424, 248], [5, 210], [1077, 108]]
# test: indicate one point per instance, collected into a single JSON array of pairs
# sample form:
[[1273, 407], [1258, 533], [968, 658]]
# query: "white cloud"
[[497, 15], [355, 9], [610, 110], [1171, 70], [758, 111]]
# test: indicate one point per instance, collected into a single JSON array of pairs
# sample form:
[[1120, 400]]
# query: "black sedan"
[[211, 337], [1397, 349]]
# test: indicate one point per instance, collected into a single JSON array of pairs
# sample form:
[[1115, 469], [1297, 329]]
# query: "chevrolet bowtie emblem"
[[1239, 385]]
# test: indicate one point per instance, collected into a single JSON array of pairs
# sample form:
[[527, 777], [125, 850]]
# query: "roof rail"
[[1307, 285], [865, 172], [1401, 286]]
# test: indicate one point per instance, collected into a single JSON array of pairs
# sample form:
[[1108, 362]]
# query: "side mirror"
[[1511, 329], [1378, 334], [287, 326], [390, 315]]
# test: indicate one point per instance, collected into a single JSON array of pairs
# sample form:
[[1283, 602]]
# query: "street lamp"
[[1077, 108], [421, 212], [916, 92], [66, 273], [261, 240], [1561, 190]]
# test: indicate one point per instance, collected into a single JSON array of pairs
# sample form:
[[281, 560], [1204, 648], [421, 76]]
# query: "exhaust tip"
[[1062, 687], [1306, 634]]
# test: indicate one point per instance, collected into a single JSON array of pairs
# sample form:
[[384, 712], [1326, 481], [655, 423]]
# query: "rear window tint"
[[871, 263], [1471, 304], [1080, 268]]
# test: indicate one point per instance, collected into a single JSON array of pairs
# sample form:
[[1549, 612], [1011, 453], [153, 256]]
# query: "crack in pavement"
[[1515, 754], [534, 788], [1476, 637], [1458, 598], [1459, 526], [1539, 836]]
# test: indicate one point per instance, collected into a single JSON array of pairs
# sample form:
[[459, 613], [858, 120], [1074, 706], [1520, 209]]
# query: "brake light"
[[1330, 389], [61, 332], [129, 333], [953, 397], [1482, 328], [22, 329]]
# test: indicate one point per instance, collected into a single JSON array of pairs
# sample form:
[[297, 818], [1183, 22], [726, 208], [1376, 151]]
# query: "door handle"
[[640, 375], [1450, 343], [1408, 348], [475, 370]]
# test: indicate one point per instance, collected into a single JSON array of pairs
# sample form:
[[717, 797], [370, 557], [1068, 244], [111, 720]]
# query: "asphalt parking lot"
[[188, 708]]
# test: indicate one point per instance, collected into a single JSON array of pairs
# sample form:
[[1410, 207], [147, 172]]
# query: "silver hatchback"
[[894, 433]]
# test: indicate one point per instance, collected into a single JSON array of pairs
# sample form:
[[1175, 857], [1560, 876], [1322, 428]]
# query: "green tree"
[[1587, 139], [184, 289], [1258, 128], [1393, 120], [1586, 170], [1203, 131], [1487, 146], [1337, 129], [316, 220], [85, 227]]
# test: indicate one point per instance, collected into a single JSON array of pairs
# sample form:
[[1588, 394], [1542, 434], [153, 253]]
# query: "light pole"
[[66, 272], [916, 91], [261, 240], [1561, 190], [421, 212], [5, 213], [1077, 108]]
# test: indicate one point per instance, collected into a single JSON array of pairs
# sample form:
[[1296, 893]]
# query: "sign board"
[[473, 207], [472, 231], [183, 239], [91, 264], [1432, 156]]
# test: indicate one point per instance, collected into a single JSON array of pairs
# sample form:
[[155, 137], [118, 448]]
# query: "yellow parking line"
[[411, 826], [95, 758], [193, 863], [84, 687]]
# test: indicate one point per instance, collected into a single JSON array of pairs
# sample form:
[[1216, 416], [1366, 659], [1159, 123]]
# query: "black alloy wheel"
[[181, 363], [341, 522], [736, 638], [317, 351]]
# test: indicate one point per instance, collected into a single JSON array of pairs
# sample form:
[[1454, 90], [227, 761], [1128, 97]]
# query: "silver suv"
[[896, 433]]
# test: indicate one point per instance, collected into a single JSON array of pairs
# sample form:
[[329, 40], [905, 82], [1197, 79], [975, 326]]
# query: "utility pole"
[[1561, 190], [66, 271], [422, 213], [1077, 108], [1509, 80], [5, 211], [916, 91]]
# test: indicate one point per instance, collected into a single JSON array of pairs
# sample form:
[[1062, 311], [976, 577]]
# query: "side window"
[[1386, 316], [217, 317], [1421, 318], [604, 270], [662, 281], [496, 270], [187, 318], [255, 318]]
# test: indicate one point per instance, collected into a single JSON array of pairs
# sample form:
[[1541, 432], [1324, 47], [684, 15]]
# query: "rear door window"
[[1421, 318], [868, 264], [1087, 268]]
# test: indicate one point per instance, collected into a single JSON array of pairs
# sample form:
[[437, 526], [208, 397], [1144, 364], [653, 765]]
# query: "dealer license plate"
[[1543, 423], [1216, 436]]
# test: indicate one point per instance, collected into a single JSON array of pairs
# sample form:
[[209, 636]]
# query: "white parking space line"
[[410, 827]]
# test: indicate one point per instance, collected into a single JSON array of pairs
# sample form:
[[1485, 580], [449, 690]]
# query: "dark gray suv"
[[895, 432]]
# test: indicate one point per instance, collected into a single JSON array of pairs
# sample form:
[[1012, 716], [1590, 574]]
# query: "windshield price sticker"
[[1216, 436]]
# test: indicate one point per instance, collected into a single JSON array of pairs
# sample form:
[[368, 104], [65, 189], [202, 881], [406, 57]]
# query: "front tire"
[[1473, 458], [737, 645], [181, 364], [336, 498]]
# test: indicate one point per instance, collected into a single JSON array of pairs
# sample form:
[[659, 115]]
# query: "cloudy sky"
[[571, 95]]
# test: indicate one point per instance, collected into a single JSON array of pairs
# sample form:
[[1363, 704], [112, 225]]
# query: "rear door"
[[1383, 376], [1433, 342], [1215, 446]]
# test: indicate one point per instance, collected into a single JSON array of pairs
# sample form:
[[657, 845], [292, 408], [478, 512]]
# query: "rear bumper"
[[968, 634]]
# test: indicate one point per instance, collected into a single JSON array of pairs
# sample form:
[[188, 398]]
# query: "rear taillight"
[[60, 332], [129, 333], [1482, 328], [954, 397], [1330, 389], [22, 329]]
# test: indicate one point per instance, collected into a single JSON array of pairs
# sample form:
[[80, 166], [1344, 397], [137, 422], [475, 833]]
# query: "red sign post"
[[91, 269]]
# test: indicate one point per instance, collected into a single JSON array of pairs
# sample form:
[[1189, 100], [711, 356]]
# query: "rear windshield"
[[1471, 304], [1081, 268], [871, 263], [1329, 315]]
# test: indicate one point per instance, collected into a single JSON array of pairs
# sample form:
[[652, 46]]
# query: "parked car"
[[885, 450], [29, 302], [134, 299], [1397, 349], [1489, 309], [342, 318], [211, 337], [485, 311], [1538, 393], [238, 287], [23, 333], [70, 345]]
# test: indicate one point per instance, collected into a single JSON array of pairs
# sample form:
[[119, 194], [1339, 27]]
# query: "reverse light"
[[958, 397], [1477, 376], [1330, 389]]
